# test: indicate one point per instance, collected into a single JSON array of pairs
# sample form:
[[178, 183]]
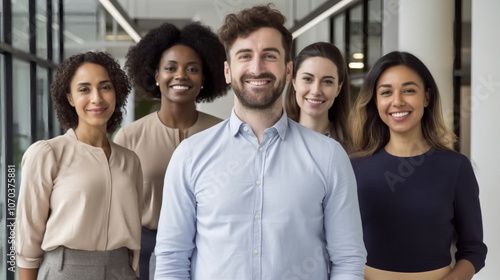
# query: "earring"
[[201, 86], [157, 84]]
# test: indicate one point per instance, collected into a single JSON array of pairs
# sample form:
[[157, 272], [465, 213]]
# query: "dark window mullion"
[[50, 57], [347, 34], [8, 115], [365, 34], [457, 67], [60, 22], [33, 78]]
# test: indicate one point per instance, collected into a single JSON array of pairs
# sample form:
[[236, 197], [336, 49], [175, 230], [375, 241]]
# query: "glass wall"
[[41, 28], [1, 25], [374, 31], [55, 31], [339, 32], [42, 100], [21, 127], [355, 53], [24, 97], [20, 25]]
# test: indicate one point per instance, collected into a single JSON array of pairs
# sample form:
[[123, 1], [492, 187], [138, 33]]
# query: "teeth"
[[399, 115], [257, 83], [315, 101], [180, 87]]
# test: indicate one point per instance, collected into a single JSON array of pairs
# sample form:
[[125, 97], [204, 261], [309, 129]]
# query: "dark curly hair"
[[60, 87], [143, 58], [251, 19]]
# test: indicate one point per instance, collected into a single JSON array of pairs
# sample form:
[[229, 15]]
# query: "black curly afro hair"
[[143, 58], [60, 87]]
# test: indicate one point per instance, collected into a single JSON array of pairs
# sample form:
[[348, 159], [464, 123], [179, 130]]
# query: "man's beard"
[[266, 100]]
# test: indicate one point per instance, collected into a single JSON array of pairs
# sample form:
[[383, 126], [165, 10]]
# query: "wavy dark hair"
[[60, 87], [339, 112], [143, 59], [251, 19], [370, 133]]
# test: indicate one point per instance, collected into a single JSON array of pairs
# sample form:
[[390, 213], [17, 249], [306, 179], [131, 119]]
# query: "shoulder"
[[124, 152], [131, 131], [377, 159], [208, 119], [210, 132], [140, 123], [323, 150], [301, 133], [207, 139], [449, 158], [38, 149], [45, 150]]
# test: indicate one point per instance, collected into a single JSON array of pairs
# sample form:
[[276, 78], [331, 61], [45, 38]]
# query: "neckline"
[[72, 135], [157, 117], [428, 152]]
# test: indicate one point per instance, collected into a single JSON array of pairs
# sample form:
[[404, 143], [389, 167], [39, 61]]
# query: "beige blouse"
[[155, 143], [72, 196]]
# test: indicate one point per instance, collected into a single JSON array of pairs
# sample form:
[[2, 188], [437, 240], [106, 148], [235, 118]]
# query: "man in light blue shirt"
[[259, 196]]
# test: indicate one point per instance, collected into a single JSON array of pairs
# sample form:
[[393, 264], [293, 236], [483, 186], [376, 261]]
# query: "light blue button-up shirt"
[[234, 209]]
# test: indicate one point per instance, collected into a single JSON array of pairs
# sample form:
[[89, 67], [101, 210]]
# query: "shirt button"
[[255, 252], [257, 217], [261, 149], [245, 128], [257, 182]]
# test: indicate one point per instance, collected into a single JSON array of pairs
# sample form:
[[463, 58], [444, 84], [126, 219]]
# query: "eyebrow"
[[324, 77], [403, 84], [176, 62], [88, 84], [270, 49]]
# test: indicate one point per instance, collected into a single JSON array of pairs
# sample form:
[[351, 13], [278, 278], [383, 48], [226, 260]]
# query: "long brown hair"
[[338, 113], [370, 133]]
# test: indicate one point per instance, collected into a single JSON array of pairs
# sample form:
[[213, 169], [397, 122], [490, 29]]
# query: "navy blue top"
[[412, 208]]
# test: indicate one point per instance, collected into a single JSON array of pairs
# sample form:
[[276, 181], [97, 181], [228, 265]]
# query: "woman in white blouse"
[[78, 208]]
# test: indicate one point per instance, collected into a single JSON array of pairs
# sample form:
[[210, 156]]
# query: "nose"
[[96, 96], [315, 88], [256, 66], [181, 74], [398, 100]]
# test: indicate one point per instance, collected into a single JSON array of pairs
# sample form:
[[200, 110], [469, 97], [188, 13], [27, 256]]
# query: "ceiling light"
[[120, 18], [356, 65], [358, 55]]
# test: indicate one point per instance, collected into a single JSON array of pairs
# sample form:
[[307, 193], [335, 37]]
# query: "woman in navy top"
[[417, 196]]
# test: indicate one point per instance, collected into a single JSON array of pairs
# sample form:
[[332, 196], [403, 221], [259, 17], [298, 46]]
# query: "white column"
[[485, 124], [426, 30], [390, 23]]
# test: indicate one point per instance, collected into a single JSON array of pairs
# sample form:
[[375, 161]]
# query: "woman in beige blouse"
[[79, 202], [180, 68]]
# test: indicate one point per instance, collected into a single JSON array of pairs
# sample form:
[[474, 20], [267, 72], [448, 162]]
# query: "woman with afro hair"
[[179, 67], [79, 202]]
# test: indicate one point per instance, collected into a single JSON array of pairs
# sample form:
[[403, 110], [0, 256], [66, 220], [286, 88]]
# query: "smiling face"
[[316, 85], [401, 98], [257, 70], [93, 95], [180, 75]]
